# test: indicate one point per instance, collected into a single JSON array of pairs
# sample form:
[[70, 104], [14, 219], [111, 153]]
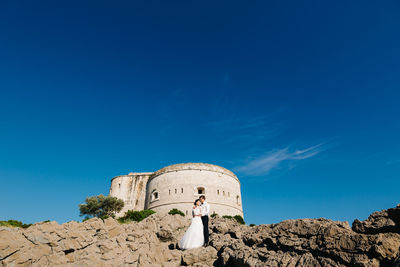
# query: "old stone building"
[[177, 186]]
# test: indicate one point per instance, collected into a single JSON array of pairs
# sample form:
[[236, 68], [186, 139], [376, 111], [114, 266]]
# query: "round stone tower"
[[178, 185]]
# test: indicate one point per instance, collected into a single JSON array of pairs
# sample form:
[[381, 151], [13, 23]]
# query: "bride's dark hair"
[[196, 201]]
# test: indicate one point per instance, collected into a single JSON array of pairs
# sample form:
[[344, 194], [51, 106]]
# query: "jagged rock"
[[385, 221], [153, 242]]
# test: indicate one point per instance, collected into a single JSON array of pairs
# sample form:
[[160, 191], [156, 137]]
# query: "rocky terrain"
[[152, 242]]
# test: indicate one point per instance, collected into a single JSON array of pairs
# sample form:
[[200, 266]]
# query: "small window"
[[137, 201], [223, 192], [169, 191], [155, 196], [218, 191], [182, 190], [237, 200], [229, 194], [186, 213], [176, 191], [201, 190], [119, 185]]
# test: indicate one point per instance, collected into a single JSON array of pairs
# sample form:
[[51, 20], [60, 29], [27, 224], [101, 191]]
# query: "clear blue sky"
[[299, 98]]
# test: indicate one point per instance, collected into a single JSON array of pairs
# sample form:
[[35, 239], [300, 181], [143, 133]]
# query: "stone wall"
[[131, 189], [177, 186]]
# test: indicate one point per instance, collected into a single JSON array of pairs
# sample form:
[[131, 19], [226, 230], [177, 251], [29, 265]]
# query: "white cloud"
[[265, 163]]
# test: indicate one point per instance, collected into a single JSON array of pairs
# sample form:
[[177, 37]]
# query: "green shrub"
[[252, 224], [136, 216], [100, 206], [176, 211], [214, 215], [239, 219], [14, 223]]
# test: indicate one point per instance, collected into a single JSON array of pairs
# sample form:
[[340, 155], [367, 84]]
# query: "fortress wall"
[[178, 189], [138, 194], [131, 189], [121, 186]]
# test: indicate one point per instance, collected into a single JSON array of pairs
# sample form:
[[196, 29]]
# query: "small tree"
[[101, 206]]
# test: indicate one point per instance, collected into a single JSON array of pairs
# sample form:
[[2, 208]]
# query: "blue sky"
[[299, 99]]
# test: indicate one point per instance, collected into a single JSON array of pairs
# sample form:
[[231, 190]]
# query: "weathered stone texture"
[[153, 242]]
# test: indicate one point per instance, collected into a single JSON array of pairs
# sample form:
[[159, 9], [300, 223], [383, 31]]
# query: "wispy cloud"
[[272, 159], [239, 129]]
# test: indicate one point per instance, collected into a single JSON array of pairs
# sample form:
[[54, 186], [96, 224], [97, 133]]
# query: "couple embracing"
[[197, 233]]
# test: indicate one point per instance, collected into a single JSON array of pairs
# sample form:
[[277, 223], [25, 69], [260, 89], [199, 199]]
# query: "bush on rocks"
[[237, 218], [136, 216], [176, 211]]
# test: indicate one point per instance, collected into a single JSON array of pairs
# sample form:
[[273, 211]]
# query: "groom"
[[204, 217]]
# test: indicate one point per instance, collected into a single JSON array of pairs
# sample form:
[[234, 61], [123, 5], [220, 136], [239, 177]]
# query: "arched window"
[[155, 196], [182, 190], [119, 185], [237, 200], [218, 191], [169, 191], [223, 192], [201, 190], [176, 191]]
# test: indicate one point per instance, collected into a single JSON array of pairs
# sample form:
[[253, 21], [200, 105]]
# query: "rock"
[[385, 221], [165, 235], [152, 242], [200, 256]]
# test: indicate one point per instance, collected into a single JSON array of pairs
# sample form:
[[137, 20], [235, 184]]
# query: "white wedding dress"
[[193, 237]]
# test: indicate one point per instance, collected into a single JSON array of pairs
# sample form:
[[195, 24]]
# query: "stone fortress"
[[177, 186]]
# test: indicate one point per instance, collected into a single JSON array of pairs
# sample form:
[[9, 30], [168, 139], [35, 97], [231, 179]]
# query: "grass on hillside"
[[14, 223]]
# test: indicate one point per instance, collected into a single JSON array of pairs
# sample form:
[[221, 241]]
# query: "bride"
[[193, 237]]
